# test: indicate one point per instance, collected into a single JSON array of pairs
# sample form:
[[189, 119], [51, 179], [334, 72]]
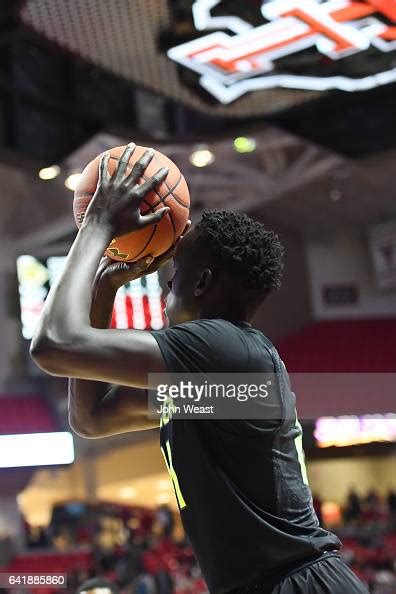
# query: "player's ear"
[[204, 282]]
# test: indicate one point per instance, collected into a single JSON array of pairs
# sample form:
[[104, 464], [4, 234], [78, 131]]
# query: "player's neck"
[[234, 314]]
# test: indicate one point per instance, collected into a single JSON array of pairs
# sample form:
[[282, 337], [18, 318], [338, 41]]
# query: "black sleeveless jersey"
[[241, 485]]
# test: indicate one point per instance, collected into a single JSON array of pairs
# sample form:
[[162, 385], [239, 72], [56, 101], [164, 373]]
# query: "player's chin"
[[172, 312], [169, 317]]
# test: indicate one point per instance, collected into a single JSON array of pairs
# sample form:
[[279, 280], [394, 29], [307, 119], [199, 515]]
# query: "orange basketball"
[[172, 192]]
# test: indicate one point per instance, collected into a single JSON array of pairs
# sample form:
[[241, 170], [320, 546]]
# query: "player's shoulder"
[[204, 324], [222, 329], [215, 328]]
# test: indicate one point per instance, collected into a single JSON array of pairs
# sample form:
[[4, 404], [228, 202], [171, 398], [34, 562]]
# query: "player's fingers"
[[104, 168], [140, 166], [124, 160], [151, 183], [104, 263], [186, 228], [129, 270], [144, 263], [154, 218]]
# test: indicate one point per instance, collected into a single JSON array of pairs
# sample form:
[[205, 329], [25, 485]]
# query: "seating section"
[[50, 562], [25, 414], [342, 346], [372, 559]]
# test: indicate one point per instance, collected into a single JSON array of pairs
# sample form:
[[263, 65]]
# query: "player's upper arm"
[[122, 357]]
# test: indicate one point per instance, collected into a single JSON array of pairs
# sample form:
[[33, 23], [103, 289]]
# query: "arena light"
[[202, 157], [163, 498], [72, 180], [48, 173], [127, 492], [351, 430], [163, 485], [36, 449], [335, 195], [331, 513], [244, 144]]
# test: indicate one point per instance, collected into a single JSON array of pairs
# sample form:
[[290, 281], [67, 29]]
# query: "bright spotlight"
[[163, 485], [163, 498], [72, 181], [49, 172], [127, 492], [243, 144], [36, 449], [202, 157], [335, 194]]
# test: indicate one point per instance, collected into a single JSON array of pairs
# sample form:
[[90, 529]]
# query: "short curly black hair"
[[243, 248]]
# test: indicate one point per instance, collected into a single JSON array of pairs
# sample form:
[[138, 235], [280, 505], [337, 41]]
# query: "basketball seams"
[[173, 226], [161, 165], [162, 200], [179, 200], [170, 190], [144, 201], [147, 242]]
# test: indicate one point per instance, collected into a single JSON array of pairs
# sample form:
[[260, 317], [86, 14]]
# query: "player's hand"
[[114, 275], [116, 202]]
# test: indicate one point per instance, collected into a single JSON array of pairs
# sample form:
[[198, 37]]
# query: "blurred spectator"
[[163, 582], [37, 537], [98, 585], [165, 521], [144, 584], [353, 507], [391, 500], [372, 500], [128, 565], [373, 508], [134, 549]]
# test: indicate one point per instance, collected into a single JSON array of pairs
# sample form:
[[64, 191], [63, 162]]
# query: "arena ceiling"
[[131, 38], [72, 68], [124, 37], [288, 182], [71, 71]]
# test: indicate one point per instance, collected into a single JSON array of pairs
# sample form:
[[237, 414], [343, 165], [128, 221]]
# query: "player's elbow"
[[87, 428], [52, 356], [44, 354]]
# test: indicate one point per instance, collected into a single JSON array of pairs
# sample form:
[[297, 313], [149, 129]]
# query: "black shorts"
[[328, 575]]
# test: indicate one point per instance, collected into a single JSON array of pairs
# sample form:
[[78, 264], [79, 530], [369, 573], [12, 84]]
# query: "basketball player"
[[241, 485]]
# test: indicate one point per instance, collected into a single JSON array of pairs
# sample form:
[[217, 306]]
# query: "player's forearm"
[[85, 395], [66, 312]]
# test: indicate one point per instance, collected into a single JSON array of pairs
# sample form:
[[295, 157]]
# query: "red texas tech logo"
[[251, 58]]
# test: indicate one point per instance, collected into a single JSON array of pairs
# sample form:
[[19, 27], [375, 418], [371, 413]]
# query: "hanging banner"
[[383, 251], [301, 44]]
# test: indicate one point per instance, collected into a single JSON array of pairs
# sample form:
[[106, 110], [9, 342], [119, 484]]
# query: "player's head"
[[223, 268], [98, 585]]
